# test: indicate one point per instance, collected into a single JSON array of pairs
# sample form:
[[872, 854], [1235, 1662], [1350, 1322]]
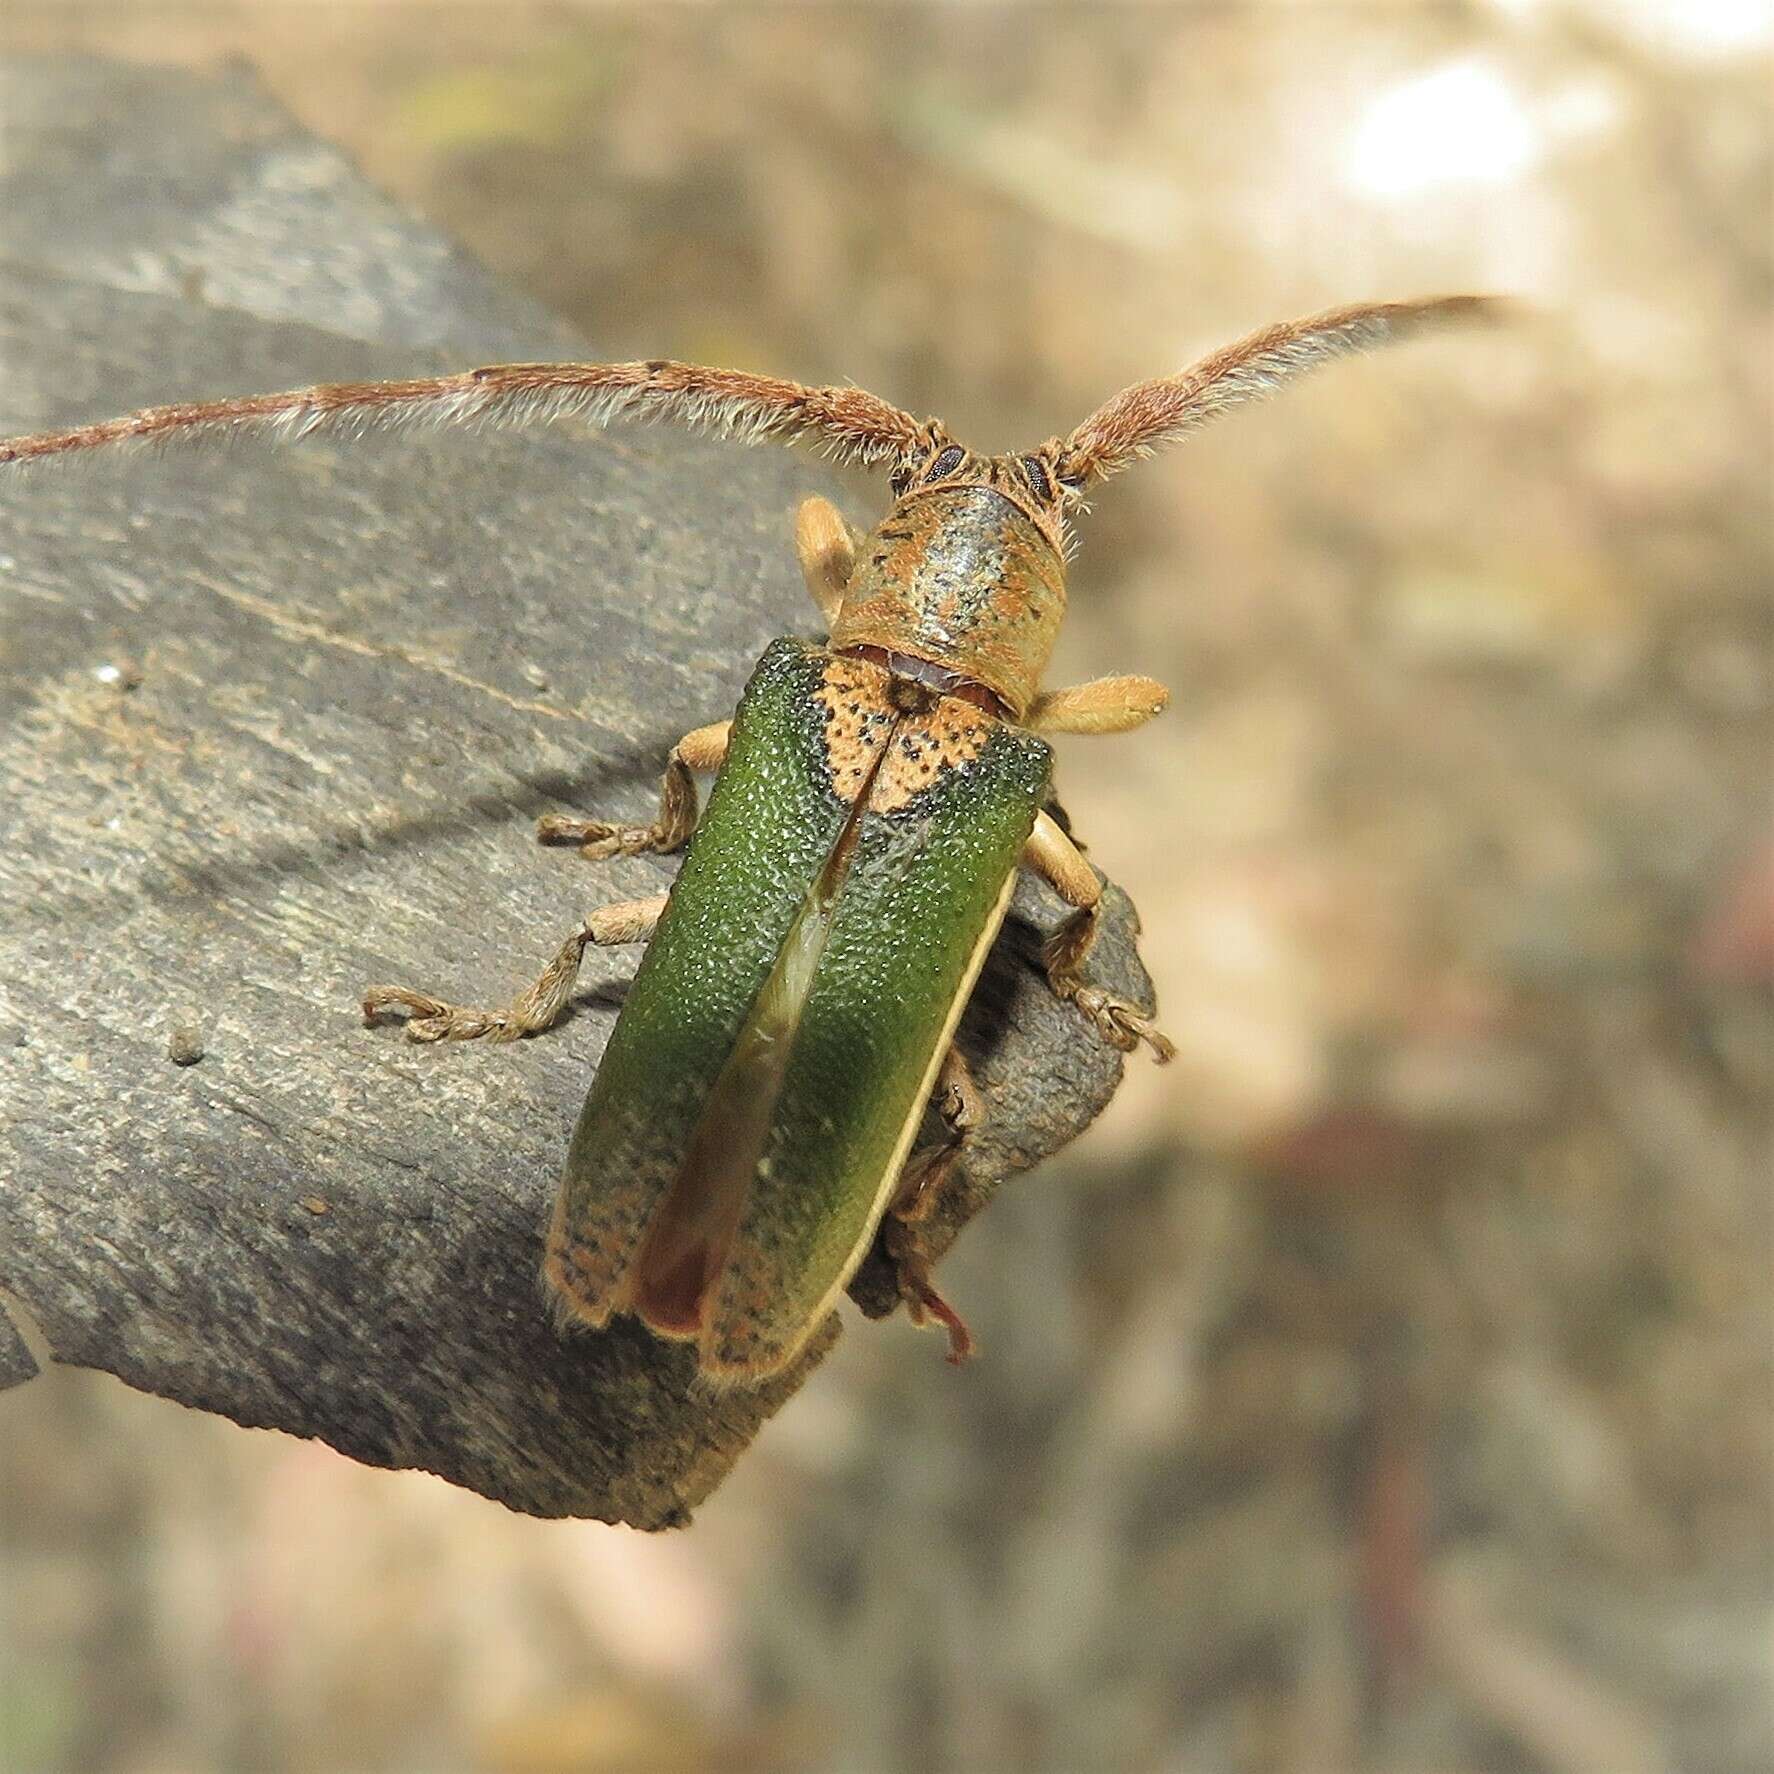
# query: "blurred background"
[[1383, 1386]]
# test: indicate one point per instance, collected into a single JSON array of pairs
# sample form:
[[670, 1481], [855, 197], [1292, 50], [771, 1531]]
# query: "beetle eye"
[[946, 463], [1035, 471]]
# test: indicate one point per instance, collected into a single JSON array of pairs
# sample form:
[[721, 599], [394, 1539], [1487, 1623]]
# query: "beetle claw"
[[1122, 1024], [598, 838], [431, 1019], [1140, 1028], [922, 1301], [930, 1303]]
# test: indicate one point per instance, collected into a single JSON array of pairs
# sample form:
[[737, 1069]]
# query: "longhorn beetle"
[[750, 1128]]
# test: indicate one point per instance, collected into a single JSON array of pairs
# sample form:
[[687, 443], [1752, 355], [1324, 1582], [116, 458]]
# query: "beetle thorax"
[[959, 578]]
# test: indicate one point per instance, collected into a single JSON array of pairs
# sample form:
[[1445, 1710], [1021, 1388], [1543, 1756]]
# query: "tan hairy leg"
[[926, 1175], [1056, 859], [1104, 705], [702, 749], [538, 1008], [828, 556]]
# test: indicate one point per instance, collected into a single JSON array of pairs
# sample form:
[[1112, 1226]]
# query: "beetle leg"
[[920, 1187], [431, 1019], [828, 555], [1056, 859], [702, 749], [1104, 705]]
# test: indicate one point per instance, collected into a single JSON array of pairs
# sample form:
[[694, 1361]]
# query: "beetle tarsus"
[[921, 1186], [532, 1011], [961, 1344], [600, 838], [431, 1019], [701, 749], [1120, 1023], [923, 1303]]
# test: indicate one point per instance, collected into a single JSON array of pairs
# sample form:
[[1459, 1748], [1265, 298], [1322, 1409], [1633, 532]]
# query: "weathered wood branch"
[[278, 722]]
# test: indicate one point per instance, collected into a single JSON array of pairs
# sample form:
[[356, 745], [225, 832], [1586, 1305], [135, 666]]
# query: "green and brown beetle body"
[[756, 1105], [752, 1121], [749, 1135]]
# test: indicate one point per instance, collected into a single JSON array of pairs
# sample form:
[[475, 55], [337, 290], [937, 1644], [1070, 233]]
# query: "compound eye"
[[1035, 472], [946, 463]]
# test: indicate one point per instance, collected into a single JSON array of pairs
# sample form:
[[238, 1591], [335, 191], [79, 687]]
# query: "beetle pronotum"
[[749, 1131]]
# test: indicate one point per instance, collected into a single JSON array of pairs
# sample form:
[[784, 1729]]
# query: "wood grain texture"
[[276, 723]]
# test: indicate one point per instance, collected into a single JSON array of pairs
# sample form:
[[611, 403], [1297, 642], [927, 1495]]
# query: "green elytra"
[[923, 892], [749, 1129]]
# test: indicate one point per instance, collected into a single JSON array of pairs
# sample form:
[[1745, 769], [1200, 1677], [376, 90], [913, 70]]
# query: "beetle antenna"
[[1138, 419], [854, 425]]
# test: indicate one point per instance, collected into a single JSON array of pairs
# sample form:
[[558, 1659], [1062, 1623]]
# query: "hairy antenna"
[[855, 425], [1138, 419]]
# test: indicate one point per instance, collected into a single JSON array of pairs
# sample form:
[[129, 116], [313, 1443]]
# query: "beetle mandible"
[[749, 1131]]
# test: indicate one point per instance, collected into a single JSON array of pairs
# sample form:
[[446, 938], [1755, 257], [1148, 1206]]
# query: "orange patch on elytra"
[[858, 717], [855, 696], [925, 747]]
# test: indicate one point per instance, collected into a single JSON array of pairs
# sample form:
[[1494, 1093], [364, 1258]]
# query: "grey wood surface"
[[275, 723]]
